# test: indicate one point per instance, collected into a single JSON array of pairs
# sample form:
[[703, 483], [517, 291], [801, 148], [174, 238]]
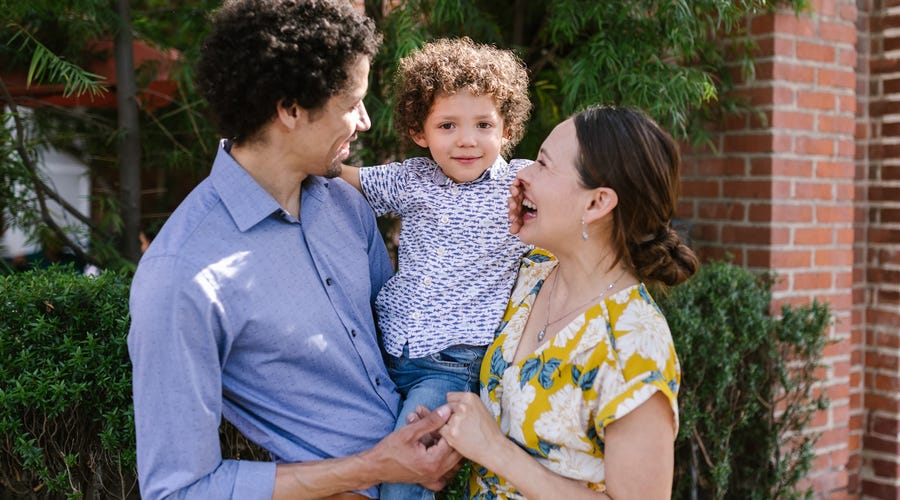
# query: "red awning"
[[158, 92]]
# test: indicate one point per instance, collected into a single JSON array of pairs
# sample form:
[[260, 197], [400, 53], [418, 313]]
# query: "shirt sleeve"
[[644, 362], [177, 341], [384, 187]]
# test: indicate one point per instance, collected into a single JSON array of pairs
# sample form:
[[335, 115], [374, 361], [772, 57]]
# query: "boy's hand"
[[515, 206]]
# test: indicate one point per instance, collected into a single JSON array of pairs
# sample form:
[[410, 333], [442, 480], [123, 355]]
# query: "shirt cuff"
[[254, 480]]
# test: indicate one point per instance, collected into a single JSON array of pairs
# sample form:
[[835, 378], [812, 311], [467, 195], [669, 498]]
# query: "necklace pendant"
[[540, 335]]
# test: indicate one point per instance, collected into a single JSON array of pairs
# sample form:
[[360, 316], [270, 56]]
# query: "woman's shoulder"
[[537, 256]]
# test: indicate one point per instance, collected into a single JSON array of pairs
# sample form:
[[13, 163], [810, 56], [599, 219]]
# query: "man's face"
[[326, 137]]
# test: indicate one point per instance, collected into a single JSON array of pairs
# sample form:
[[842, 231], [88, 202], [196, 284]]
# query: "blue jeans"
[[426, 381]]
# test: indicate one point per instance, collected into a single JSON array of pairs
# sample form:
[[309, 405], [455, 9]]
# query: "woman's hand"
[[514, 202], [471, 430]]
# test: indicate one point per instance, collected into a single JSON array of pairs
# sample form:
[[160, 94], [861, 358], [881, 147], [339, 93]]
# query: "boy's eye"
[[446, 126], [485, 125]]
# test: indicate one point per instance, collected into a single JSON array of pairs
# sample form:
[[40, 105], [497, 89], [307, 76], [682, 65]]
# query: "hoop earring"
[[583, 229]]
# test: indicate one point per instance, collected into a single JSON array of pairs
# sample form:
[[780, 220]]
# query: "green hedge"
[[747, 385], [66, 419], [66, 426]]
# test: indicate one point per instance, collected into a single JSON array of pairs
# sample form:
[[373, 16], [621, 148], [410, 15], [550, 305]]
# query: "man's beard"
[[334, 170]]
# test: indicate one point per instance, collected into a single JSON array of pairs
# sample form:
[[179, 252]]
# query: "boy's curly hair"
[[261, 51], [446, 66]]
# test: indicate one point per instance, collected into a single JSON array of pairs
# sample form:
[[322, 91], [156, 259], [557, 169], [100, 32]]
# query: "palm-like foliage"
[[665, 56]]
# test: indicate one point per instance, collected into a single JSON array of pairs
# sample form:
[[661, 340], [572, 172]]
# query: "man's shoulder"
[[344, 197], [180, 229], [340, 191]]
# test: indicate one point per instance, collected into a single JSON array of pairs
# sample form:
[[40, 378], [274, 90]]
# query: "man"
[[254, 300]]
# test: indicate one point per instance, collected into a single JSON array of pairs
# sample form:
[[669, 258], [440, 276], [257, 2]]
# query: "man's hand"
[[416, 453], [421, 413]]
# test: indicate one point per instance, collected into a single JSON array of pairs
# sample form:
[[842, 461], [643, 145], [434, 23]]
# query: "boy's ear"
[[418, 138], [602, 201]]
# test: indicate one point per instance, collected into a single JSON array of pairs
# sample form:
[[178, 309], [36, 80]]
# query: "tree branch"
[[42, 190]]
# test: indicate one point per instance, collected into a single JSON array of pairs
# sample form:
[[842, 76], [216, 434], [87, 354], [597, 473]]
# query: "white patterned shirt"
[[457, 259]]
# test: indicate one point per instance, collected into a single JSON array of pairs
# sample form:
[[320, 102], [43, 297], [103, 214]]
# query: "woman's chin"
[[528, 234]]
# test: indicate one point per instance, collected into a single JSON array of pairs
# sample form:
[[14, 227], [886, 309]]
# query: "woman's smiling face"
[[554, 199]]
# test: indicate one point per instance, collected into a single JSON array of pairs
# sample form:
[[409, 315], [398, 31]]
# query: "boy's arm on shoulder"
[[351, 175]]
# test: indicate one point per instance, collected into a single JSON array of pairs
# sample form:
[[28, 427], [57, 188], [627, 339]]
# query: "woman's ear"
[[602, 201]]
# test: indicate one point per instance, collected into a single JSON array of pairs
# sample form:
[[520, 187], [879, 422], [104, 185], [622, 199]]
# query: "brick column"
[[779, 195], [877, 294]]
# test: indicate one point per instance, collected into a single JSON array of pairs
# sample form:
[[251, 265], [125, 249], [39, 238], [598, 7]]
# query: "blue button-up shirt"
[[457, 259], [239, 309]]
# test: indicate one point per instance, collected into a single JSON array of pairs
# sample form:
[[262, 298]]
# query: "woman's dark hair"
[[625, 150], [262, 51]]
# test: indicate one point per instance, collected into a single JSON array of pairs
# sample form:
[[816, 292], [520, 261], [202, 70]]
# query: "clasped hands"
[[461, 428]]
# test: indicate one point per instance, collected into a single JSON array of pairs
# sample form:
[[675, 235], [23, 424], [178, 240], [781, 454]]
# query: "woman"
[[579, 388]]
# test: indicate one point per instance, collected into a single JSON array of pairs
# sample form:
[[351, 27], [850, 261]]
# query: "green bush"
[[66, 415], [66, 419], [747, 385]]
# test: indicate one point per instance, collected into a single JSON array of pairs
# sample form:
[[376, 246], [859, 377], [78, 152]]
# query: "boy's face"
[[464, 133]]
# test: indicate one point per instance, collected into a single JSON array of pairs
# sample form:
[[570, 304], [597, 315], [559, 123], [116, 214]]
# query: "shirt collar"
[[246, 201], [499, 170]]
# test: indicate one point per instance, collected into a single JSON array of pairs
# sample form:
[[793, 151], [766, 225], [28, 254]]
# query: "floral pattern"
[[556, 402]]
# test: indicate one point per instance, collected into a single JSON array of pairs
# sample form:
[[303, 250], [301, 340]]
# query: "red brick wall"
[[779, 195], [877, 249]]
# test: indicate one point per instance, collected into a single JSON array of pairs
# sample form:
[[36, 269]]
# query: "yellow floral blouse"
[[557, 402]]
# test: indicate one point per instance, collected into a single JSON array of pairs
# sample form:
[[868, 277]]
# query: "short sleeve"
[[384, 187], [642, 362]]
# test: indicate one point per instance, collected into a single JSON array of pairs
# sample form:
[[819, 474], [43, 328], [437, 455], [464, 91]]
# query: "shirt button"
[[416, 315], [328, 281], [454, 190], [353, 333], [440, 252], [427, 281], [378, 381], [444, 219]]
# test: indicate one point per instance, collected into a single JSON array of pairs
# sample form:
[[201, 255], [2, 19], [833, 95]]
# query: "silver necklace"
[[543, 332]]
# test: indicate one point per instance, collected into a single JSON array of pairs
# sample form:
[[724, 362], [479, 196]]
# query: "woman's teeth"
[[529, 205]]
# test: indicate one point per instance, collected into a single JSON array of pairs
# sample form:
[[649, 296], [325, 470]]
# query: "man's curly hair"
[[447, 66], [262, 51]]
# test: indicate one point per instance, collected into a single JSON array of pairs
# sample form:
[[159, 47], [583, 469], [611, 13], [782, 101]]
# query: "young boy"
[[466, 103]]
